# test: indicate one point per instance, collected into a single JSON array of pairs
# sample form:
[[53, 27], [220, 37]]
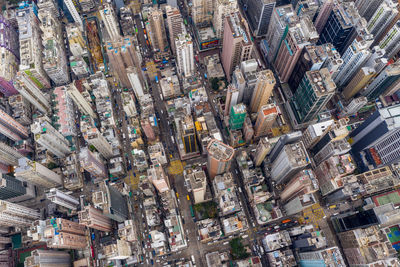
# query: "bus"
[[191, 210]]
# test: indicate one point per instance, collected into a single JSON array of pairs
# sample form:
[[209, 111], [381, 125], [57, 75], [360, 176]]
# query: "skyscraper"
[[232, 95], [10, 187], [367, 8], [37, 174], [64, 234], [263, 148], [175, 25], [91, 163], [11, 128], [282, 18], [28, 89], [237, 116], [80, 101], [109, 18], [54, 58], [338, 29], [41, 258], [304, 182], [9, 50], [222, 8], [60, 198], [382, 17], [291, 159], [184, 54], [94, 218], [220, 156], [391, 41], [77, 44], [323, 15], [16, 215], [158, 178], [384, 82], [353, 59], [135, 81], [258, 13], [237, 45], [48, 137], [265, 120], [313, 93], [263, 90], [30, 44], [202, 12], [297, 37], [72, 8], [157, 34], [359, 81]]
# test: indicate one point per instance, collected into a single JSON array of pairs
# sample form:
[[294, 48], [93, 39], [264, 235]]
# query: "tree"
[[215, 84], [238, 251]]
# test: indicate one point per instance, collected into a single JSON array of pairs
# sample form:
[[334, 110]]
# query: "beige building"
[[175, 25], [222, 8], [263, 148], [157, 28], [359, 81], [198, 184], [158, 178], [265, 120], [202, 12], [219, 157], [263, 90], [120, 250], [65, 234], [94, 218]]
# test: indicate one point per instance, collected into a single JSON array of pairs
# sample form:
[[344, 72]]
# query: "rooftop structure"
[[219, 157]]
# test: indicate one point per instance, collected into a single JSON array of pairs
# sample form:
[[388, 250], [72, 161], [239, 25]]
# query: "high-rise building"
[[80, 101], [384, 82], [136, 83], [258, 13], [285, 139], [232, 96], [327, 256], [126, 21], [220, 156], [391, 41], [29, 90], [382, 17], [314, 132], [237, 116], [11, 187], [359, 81], [11, 128], [202, 12], [313, 93], [9, 50], [198, 184], [222, 8], [366, 8], [91, 163], [282, 18], [21, 109], [64, 112], [237, 46], [157, 30], [30, 44], [94, 218], [72, 8], [265, 120], [77, 44], [60, 198], [353, 59], [42, 258], [263, 90], [79, 66], [158, 178], [296, 39], [323, 15], [109, 18], [354, 106], [48, 137], [37, 174], [187, 135], [93, 136], [175, 25], [184, 55], [338, 29], [291, 159], [16, 215], [111, 201], [64, 234], [122, 55], [54, 58], [304, 182], [263, 148], [314, 58]]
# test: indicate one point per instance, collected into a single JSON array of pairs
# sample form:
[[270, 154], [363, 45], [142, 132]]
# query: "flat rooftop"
[[220, 151]]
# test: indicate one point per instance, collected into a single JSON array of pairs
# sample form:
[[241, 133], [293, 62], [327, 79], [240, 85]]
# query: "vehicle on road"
[[187, 197]]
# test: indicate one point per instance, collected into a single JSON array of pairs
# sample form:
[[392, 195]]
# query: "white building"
[[16, 215], [79, 66], [36, 174], [48, 137], [54, 58], [391, 41], [80, 101], [136, 83], [9, 155], [221, 9], [185, 57], [353, 59], [28, 89], [91, 163], [383, 16], [93, 136], [110, 21], [62, 199], [128, 102], [74, 13]]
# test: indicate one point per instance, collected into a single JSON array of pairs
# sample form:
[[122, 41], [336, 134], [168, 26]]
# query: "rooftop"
[[220, 151]]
